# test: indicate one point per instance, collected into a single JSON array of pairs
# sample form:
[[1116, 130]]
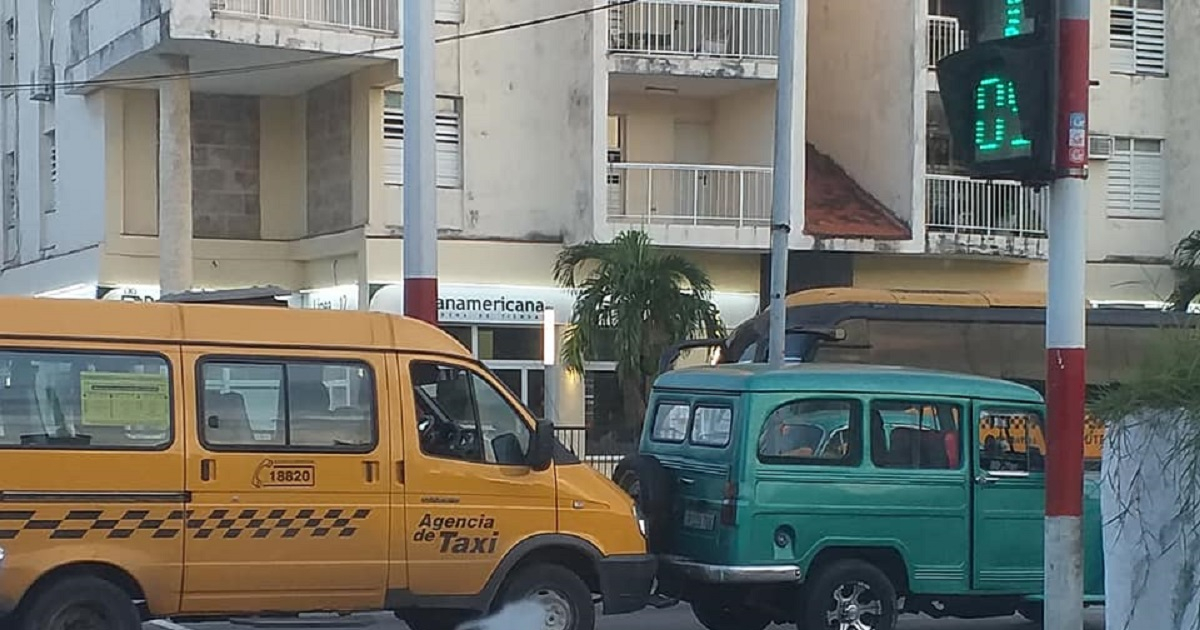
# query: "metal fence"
[[690, 194], [742, 30], [961, 204], [376, 16], [946, 37], [575, 439]]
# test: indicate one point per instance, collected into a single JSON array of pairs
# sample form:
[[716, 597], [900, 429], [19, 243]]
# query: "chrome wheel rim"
[[854, 607]]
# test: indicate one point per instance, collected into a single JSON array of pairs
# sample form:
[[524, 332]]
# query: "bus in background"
[[996, 334]]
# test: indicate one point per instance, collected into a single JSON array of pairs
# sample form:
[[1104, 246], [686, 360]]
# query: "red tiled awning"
[[837, 207]]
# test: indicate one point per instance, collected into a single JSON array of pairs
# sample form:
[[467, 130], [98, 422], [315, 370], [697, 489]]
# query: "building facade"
[[267, 137]]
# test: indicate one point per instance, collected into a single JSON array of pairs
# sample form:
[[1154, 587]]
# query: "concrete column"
[[175, 179]]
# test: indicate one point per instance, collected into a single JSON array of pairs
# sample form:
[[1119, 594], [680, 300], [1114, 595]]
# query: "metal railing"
[[375, 16], [575, 439], [964, 205], [946, 37], [690, 194], [742, 30]]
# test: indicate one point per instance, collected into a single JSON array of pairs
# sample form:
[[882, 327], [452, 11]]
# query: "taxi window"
[[1011, 441], [813, 432], [68, 400]]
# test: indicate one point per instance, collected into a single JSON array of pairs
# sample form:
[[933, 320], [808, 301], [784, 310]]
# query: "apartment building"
[[283, 119]]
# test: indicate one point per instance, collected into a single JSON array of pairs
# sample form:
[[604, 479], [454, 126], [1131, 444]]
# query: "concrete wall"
[[866, 99], [225, 166], [1182, 126], [328, 150]]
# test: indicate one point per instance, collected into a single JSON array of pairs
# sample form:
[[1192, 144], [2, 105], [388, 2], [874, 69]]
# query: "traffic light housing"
[[998, 92]]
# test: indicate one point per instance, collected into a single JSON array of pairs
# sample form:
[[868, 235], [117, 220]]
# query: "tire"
[[655, 495], [853, 589], [1032, 611], [626, 478], [79, 600], [433, 619], [565, 592], [718, 614]]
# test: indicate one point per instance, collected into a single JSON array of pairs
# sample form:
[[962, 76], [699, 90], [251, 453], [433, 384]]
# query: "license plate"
[[693, 519]]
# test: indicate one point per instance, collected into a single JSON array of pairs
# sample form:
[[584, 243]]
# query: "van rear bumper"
[[625, 582], [730, 574]]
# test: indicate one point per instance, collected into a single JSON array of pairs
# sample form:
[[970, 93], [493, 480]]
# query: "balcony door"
[[693, 143]]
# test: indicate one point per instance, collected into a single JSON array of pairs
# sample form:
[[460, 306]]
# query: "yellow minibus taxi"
[[205, 462]]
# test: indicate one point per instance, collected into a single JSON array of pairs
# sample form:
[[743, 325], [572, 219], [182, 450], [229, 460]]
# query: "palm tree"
[[1186, 265], [639, 298]]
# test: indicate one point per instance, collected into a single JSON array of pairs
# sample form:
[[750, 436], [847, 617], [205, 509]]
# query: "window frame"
[[446, 107], [172, 434], [1129, 157], [996, 407], [961, 405], [709, 404], [676, 402], [283, 360], [1131, 11], [857, 409], [479, 370]]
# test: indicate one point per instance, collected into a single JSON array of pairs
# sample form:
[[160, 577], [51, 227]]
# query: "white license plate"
[[698, 520]]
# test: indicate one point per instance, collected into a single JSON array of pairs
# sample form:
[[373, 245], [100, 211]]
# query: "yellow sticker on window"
[[118, 399]]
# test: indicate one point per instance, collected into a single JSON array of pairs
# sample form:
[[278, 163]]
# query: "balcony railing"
[[689, 194], [964, 205], [374, 16], [946, 37], [696, 28]]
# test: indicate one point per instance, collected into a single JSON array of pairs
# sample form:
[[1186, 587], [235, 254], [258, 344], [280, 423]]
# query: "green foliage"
[[1166, 380], [636, 297], [1186, 265]]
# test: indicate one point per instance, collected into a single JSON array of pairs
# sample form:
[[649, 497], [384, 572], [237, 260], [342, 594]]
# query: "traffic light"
[[998, 92]]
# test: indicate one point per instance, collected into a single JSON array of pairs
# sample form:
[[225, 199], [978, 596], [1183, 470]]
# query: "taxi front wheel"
[[81, 603], [565, 599]]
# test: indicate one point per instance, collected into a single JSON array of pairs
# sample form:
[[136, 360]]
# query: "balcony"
[[967, 216], [695, 38], [365, 16], [689, 195], [946, 37]]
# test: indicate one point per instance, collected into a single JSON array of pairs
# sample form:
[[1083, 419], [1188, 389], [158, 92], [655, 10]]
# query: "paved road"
[[676, 618]]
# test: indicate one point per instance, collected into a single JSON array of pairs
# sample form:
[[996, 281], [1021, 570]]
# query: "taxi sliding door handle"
[[371, 471], [208, 469]]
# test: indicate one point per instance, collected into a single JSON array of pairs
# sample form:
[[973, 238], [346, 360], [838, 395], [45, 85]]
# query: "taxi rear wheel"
[[80, 603]]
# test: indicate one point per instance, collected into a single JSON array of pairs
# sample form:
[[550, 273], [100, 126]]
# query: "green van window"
[[1011, 441], [915, 435], [813, 432], [670, 422]]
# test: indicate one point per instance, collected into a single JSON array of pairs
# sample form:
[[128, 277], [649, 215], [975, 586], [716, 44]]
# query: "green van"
[[838, 496]]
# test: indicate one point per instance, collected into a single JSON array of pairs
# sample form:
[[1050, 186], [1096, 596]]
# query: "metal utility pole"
[[1066, 326], [420, 187], [781, 180]]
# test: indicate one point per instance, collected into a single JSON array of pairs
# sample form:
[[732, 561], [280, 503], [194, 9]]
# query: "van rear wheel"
[[850, 594], [720, 614], [80, 603]]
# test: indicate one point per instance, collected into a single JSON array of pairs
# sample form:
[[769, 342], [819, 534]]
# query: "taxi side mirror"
[[541, 448]]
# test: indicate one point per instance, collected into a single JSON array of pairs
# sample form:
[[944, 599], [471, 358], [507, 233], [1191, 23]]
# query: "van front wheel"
[[565, 598], [83, 603], [850, 594]]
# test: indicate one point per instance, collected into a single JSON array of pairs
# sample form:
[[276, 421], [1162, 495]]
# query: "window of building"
[[670, 422], [461, 416], [65, 400], [448, 135], [1135, 179], [813, 432], [11, 211], [287, 405], [915, 435], [1011, 441], [1138, 37]]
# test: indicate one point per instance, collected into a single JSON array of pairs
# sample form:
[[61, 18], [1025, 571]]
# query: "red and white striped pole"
[[1066, 326], [420, 187]]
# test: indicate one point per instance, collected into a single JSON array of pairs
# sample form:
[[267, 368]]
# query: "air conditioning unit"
[[1100, 147], [44, 88]]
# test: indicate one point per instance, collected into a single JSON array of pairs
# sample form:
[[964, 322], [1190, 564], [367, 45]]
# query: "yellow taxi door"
[[469, 496], [288, 482]]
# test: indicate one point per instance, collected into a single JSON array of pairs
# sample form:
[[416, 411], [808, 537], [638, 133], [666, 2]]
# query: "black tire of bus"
[[656, 489], [715, 613], [76, 602], [842, 580], [556, 584]]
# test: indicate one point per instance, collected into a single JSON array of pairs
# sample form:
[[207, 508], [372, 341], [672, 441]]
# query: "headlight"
[[637, 514]]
